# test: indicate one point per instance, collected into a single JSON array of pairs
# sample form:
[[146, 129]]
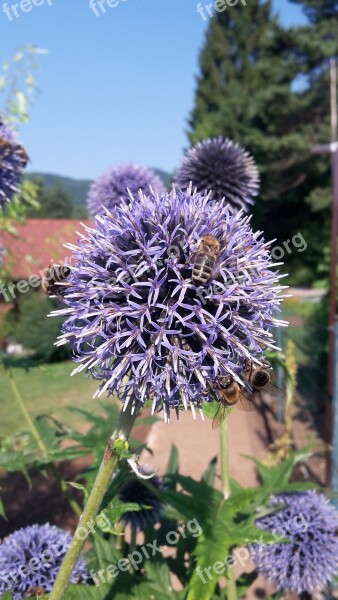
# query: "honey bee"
[[34, 592], [8, 145], [5, 144], [54, 275], [23, 154], [259, 378], [204, 259], [228, 393]]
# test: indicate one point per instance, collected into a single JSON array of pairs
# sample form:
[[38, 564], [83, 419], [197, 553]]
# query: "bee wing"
[[247, 403], [220, 415], [272, 389]]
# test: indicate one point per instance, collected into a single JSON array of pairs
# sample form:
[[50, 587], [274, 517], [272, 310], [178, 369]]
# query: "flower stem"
[[113, 452], [26, 414], [64, 489], [225, 478], [224, 453], [40, 443], [231, 587]]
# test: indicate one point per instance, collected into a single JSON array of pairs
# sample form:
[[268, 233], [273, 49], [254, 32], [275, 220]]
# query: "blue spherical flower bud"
[[140, 492], [113, 185], [30, 559], [222, 167], [310, 560], [13, 159]]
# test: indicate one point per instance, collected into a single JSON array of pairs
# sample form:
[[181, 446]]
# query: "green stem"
[[231, 587], [40, 444], [132, 546], [26, 414], [64, 489], [120, 537], [225, 478], [133, 535], [116, 444], [224, 452]]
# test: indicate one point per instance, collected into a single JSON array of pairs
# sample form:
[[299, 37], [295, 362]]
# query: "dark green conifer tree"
[[267, 87]]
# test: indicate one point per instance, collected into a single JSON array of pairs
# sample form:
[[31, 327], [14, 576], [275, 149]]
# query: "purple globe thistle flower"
[[310, 561], [31, 558], [13, 160], [140, 323], [222, 167], [108, 189], [136, 490]]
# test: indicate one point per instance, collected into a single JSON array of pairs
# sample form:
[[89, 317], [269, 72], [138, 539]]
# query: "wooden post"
[[332, 382]]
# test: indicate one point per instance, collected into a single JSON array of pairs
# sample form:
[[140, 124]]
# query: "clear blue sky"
[[114, 88]]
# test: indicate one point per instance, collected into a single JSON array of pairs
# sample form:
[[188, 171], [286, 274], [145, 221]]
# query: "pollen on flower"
[[138, 322]]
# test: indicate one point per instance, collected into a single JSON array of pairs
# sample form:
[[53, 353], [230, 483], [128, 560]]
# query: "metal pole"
[[334, 223], [332, 404], [332, 416], [333, 99], [280, 379], [333, 265]]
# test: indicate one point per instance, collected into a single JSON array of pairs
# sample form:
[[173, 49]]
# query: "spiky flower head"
[[108, 189], [139, 491], [222, 167], [138, 318], [310, 561], [31, 558], [13, 160]]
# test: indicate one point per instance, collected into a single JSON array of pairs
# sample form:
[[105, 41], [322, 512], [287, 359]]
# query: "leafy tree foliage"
[[54, 203], [267, 87]]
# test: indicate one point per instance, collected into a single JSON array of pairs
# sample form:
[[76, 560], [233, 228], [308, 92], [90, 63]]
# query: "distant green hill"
[[78, 188]]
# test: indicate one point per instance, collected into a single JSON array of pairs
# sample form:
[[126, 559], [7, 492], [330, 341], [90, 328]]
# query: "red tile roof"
[[37, 244]]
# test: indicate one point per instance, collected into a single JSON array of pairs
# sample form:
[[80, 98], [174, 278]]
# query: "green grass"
[[45, 390]]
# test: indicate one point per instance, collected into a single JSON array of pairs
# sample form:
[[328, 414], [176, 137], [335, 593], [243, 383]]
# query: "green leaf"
[[276, 478], [209, 474], [80, 487], [87, 592], [210, 409], [173, 462], [105, 553], [2, 510], [113, 513], [225, 524], [18, 56]]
